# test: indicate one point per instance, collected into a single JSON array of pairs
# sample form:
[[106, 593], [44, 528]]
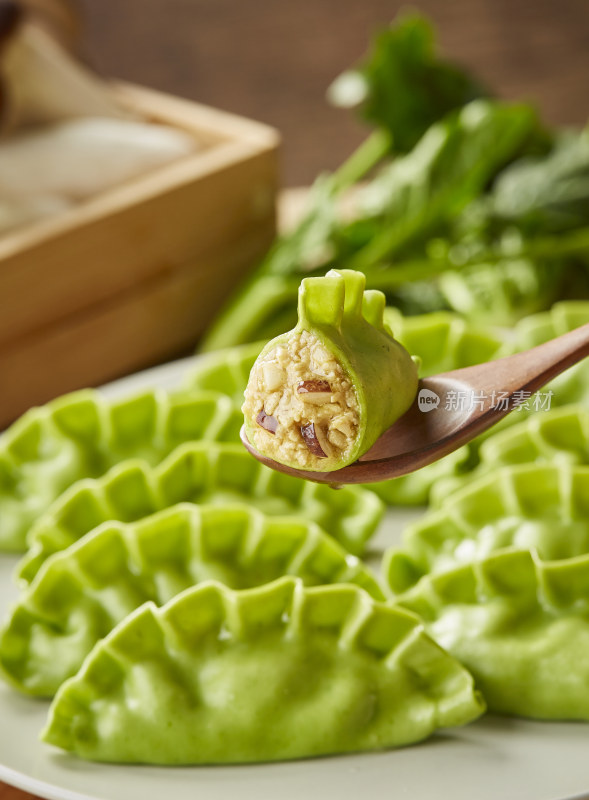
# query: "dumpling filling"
[[304, 406]]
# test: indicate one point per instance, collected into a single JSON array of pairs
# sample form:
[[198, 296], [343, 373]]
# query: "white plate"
[[490, 759]]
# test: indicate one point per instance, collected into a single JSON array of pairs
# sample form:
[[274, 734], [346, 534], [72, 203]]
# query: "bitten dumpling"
[[319, 396], [277, 672]]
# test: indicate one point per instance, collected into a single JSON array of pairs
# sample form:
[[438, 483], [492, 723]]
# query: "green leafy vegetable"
[[474, 205], [408, 202], [403, 86], [549, 194], [449, 166]]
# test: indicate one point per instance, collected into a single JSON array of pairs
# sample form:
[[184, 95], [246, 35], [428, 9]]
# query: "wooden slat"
[[131, 240], [133, 276], [158, 320], [210, 123]]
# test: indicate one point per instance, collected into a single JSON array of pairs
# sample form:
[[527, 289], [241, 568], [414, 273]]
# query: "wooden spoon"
[[451, 409]]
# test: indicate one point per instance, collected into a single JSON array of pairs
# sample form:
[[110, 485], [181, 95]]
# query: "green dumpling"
[[198, 472], [538, 507], [84, 434], [444, 340], [463, 344], [224, 371], [441, 341], [521, 627], [573, 385], [272, 673], [320, 395], [81, 593], [558, 436]]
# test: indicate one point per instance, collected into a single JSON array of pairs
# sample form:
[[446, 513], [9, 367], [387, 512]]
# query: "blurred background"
[[272, 61], [112, 231]]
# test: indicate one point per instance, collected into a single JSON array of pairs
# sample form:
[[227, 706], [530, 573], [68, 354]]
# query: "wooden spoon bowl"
[[451, 409]]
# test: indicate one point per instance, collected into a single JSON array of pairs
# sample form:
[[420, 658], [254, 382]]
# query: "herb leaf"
[[403, 86]]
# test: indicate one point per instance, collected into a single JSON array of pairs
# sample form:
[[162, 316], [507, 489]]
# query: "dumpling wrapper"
[[521, 627], [197, 472], [227, 371], [560, 435], [273, 673], [441, 341], [573, 385], [83, 435], [538, 507], [81, 593], [319, 396], [556, 436]]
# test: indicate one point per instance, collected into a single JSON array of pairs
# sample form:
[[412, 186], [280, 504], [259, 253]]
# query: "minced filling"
[[302, 403]]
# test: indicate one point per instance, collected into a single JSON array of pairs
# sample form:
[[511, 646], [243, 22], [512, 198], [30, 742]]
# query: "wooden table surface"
[[273, 61], [10, 793]]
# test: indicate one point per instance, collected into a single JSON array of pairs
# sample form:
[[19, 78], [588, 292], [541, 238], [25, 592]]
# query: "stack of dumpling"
[[185, 604], [49, 170], [188, 605], [499, 568]]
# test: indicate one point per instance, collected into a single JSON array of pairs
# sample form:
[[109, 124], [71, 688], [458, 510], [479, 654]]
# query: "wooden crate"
[[133, 277]]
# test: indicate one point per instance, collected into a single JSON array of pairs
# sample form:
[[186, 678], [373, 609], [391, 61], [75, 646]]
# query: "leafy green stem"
[[367, 156]]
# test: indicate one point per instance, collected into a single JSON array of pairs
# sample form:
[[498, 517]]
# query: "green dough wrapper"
[[224, 371], [573, 385], [81, 593], [539, 507], [83, 435], [521, 626], [569, 389], [199, 472], [277, 672], [558, 436], [444, 340], [440, 341], [347, 321]]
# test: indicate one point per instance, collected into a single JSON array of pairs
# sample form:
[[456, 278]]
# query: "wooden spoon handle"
[[530, 370], [426, 433], [472, 399]]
